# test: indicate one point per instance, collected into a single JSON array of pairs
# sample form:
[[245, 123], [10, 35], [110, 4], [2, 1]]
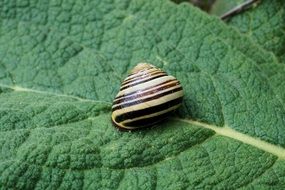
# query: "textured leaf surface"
[[265, 25], [62, 62]]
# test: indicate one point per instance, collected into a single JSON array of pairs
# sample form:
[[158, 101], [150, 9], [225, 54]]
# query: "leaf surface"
[[265, 25], [61, 65]]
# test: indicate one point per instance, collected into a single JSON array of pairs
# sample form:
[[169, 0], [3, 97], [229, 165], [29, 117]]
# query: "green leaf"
[[61, 65], [265, 25]]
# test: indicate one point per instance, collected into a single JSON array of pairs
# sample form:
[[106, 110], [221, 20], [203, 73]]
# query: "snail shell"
[[146, 97]]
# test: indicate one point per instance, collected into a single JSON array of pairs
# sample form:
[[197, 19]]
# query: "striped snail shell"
[[146, 96]]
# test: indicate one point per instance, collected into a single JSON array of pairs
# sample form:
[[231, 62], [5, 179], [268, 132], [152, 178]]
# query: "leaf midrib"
[[21, 89], [233, 134], [223, 131]]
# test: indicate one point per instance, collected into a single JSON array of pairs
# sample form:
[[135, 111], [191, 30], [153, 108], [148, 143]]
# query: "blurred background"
[[215, 7]]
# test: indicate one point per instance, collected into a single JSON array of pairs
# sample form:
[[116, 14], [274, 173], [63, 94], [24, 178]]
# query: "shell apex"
[[141, 66]]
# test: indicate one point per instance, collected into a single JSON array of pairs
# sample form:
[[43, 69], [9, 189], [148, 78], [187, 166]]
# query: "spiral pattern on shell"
[[146, 97]]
